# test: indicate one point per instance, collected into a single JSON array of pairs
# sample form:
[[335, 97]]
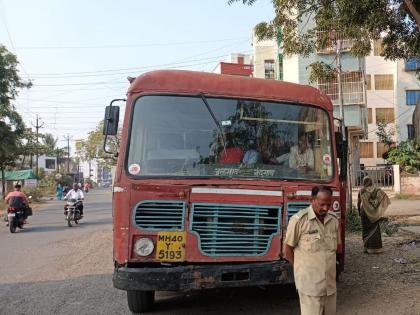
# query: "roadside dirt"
[[387, 283]]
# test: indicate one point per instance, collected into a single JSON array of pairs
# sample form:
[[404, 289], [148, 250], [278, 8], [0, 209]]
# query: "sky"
[[78, 54]]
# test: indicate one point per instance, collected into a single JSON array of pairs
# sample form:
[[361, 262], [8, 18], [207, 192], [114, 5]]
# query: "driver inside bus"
[[301, 156]]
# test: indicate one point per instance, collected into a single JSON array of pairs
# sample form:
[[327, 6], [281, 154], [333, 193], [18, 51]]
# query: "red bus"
[[210, 169]]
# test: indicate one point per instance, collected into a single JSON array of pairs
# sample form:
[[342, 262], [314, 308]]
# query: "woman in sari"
[[371, 203], [59, 191]]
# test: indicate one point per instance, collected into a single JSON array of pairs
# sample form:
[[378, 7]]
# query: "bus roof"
[[211, 84]]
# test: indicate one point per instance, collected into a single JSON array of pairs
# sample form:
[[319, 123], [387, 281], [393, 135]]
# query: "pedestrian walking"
[[59, 191], [311, 242], [371, 204]]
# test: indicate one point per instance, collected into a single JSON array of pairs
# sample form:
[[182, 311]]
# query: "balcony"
[[353, 86], [330, 39], [353, 90], [412, 64]]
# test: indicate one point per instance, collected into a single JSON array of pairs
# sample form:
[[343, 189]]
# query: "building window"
[[377, 47], [368, 82], [269, 68], [412, 64], [50, 164], [384, 82], [381, 149], [385, 115], [370, 118], [412, 97], [366, 150], [241, 60], [410, 132]]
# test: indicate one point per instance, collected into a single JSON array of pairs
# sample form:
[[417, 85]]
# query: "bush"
[[35, 192], [388, 227], [353, 222]]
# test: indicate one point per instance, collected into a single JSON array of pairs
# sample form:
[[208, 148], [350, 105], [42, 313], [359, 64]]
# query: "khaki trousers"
[[318, 305]]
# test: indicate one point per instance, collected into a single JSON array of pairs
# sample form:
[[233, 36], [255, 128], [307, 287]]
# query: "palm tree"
[[50, 144]]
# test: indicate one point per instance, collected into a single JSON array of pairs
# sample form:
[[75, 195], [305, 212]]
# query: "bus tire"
[[140, 301]]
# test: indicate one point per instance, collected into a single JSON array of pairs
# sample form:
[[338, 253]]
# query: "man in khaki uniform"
[[310, 246]]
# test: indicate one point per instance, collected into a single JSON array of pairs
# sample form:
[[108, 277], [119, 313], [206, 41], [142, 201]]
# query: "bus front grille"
[[234, 230], [160, 215], [295, 207]]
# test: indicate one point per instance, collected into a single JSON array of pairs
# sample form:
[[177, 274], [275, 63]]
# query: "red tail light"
[[10, 209]]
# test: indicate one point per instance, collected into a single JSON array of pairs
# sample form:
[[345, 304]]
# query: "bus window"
[[176, 136]]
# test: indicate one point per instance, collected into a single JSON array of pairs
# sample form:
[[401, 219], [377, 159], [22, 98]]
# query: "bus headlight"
[[144, 247]]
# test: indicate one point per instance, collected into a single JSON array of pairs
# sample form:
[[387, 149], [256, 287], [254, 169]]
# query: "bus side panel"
[[121, 220]]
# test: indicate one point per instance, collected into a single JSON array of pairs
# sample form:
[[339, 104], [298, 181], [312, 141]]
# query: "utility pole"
[[68, 138], [37, 127], [349, 196], [340, 87]]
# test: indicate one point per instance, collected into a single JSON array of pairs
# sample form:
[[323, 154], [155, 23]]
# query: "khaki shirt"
[[315, 247]]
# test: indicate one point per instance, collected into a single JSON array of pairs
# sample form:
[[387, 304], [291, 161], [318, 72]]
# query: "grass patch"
[[407, 197]]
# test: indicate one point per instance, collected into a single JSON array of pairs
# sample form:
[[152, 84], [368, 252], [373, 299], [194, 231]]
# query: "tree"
[[407, 155], [360, 21], [27, 148], [92, 147], [11, 124], [49, 144]]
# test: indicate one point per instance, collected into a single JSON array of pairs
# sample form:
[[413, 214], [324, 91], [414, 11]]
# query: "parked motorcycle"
[[17, 213], [72, 211]]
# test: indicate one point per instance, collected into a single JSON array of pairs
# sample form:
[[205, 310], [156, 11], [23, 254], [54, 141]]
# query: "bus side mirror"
[[340, 145], [342, 154], [112, 117]]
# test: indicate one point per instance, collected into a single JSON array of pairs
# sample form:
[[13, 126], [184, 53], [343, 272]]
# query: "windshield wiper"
[[222, 136]]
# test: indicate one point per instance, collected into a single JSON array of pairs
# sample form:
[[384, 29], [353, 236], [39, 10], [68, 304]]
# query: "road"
[[51, 269]]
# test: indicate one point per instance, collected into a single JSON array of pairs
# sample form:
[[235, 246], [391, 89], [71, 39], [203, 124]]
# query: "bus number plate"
[[171, 246]]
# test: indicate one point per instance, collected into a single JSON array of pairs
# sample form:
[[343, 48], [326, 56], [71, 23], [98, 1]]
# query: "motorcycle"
[[72, 211], [17, 213]]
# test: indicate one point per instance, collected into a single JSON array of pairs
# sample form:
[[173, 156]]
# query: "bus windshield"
[[181, 136]]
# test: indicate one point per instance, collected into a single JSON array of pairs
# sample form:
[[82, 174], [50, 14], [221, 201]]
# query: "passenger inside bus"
[[232, 153], [301, 156], [252, 156]]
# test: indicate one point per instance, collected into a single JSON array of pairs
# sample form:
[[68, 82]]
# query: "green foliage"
[[35, 192], [385, 133], [92, 147], [49, 144], [407, 155], [11, 124], [353, 222], [321, 70], [360, 21], [389, 227]]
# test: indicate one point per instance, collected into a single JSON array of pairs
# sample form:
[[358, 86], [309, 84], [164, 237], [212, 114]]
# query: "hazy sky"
[[79, 53]]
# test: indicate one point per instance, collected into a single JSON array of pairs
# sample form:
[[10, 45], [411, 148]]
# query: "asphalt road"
[[49, 268]]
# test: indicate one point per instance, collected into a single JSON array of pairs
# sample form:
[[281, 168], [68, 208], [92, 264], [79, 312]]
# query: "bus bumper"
[[208, 276]]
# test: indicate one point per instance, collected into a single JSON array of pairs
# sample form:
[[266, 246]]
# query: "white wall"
[[233, 58], [42, 162], [378, 99], [263, 50]]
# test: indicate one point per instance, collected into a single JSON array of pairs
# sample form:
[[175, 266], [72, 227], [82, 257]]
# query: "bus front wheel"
[[140, 301]]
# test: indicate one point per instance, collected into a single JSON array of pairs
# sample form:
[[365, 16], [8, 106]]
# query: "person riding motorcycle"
[[15, 198], [77, 194]]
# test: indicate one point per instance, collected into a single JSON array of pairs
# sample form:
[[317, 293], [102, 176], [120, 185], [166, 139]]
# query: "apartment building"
[[295, 69], [267, 59], [392, 93], [236, 64]]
